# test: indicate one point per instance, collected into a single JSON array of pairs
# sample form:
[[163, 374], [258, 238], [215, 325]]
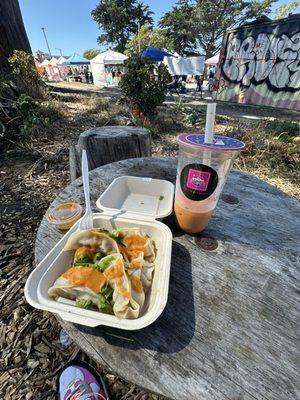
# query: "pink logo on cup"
[[198, 180]]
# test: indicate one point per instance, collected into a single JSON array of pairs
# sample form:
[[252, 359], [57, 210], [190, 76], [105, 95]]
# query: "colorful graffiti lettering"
[[268, 58]]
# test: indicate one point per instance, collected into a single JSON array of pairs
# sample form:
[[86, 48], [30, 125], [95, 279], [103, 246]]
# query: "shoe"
[[78, 380]]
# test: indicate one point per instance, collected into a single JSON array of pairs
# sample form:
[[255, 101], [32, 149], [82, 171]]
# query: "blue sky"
[[69, 24]]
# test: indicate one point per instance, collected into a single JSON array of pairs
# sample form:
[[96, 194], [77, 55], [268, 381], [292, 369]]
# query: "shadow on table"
[[175, 327]]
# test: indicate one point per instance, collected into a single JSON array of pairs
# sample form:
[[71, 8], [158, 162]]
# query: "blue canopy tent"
[[76, 59], [155, 53]]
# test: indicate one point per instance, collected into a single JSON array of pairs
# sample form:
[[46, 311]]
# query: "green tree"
[[91, 53], [201, 24], [285, 9], [148, 36], [119, 20], [178, 26]]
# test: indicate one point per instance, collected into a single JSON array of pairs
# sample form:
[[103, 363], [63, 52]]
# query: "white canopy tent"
[[185, 65], [99, 62], [45, 63], [61, 60], [53, 61]]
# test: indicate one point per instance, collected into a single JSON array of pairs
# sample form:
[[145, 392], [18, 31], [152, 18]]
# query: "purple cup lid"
[[221, 143]]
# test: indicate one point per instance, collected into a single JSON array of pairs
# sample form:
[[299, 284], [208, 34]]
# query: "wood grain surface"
[[230, 329]]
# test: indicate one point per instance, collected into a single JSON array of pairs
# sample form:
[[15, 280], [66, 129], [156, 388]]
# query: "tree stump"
[[108, 144]]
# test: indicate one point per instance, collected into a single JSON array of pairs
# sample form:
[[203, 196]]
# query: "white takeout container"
[[127, 202]]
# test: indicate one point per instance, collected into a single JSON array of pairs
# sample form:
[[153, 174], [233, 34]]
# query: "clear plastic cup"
[[201, 175], [64, 215]]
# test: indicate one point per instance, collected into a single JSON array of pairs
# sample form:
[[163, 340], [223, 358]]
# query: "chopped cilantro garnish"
[[102, 230], [84, 259], [161, 197], [97, 257], [105, 301], [82, 264], [83, 303]]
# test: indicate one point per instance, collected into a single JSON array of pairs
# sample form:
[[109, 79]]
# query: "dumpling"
[[110, 272], [125, 305], [136, 241], [147, 273], [140, 252], [92, 239], [78, 282], [137, 287]]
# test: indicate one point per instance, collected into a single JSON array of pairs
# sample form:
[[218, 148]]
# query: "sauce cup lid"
[[64, 212]]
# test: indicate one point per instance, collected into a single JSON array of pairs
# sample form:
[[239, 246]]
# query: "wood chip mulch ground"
[[31, 352]]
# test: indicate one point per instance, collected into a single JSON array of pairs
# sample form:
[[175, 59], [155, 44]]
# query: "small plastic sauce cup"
[[64, 215]]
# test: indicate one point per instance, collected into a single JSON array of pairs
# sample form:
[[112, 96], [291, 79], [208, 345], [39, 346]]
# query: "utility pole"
[[43, 29], [56, 48]]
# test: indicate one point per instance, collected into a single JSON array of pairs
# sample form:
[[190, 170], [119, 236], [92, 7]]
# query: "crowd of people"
[[178, 83], [81, 74], [113, 75]]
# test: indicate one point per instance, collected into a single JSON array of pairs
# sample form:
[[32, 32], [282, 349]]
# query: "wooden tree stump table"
[[108, 144], [230, 328]]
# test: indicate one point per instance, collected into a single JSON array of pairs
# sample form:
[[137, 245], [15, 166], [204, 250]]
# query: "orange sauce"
[[135, 245], [189, 221], [136, 283], [136, 264], [135, 242], [123, 292], [116, 271], [85, 276]]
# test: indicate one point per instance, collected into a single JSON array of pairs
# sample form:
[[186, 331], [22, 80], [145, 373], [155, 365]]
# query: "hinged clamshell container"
[[127, 202]]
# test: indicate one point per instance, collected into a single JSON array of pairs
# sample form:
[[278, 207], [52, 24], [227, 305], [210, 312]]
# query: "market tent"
[[109, 57], [48, 67], [185, 65], [61, 60], [53, 70], [38, 66], [98, 63], [76, 59], [213, 60], [53, 61], [45, 63], [63, 69], [155, 53]]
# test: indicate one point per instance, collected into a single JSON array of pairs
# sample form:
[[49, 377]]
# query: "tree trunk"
[[108, 144], [12, 33]]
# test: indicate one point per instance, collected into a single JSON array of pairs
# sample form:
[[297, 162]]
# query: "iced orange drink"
[[201, 174]]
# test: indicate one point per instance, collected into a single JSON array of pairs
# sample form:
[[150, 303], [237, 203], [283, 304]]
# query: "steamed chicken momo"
[[140, 252], [102, 278], [105, 286], [137, 245], [94, 240]]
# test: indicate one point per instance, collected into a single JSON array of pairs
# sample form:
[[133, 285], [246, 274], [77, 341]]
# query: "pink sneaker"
[[78, 380]]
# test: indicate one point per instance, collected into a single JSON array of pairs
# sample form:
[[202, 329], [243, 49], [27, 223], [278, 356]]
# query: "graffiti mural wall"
[[260, 64]]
